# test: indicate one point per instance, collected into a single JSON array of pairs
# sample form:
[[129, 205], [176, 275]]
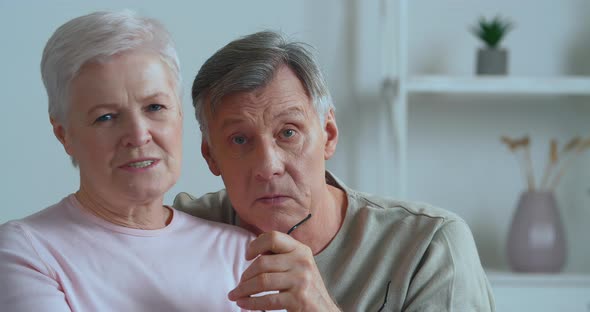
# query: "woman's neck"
[[150, 215]]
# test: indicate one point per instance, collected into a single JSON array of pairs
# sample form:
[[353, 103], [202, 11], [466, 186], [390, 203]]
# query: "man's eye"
[[105, 117], [287, 133], [154, 107], [240, 140]]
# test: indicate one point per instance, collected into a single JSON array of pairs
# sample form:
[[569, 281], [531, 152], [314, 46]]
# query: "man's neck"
[[326, 220]]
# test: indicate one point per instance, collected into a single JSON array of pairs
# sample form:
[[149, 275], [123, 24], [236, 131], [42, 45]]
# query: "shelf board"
[[564, 85], [502, 278]]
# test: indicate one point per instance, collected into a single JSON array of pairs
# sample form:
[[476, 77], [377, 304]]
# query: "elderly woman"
[[114, 88]]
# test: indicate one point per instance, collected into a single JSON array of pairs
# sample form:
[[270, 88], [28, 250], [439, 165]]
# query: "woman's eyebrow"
[[105, 106], [155, 95]]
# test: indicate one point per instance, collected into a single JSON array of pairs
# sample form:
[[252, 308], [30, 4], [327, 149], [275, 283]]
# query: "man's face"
[[270, 149]]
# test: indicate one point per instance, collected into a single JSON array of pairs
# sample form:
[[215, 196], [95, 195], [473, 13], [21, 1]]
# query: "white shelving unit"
[[567, 85], [514, 292], [540, 292], [407, 85], [507, 279]]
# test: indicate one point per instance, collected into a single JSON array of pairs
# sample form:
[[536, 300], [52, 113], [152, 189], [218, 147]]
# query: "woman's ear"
[[331, 130], [206, 152], [60, 132]]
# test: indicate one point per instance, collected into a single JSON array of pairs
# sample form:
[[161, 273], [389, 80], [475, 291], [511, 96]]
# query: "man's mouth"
[[273, 199]]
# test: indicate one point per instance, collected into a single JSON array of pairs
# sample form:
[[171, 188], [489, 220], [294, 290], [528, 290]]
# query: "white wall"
[[480, 182]]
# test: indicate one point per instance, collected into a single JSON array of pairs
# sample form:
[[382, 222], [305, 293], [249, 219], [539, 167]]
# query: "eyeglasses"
[[298, 224]]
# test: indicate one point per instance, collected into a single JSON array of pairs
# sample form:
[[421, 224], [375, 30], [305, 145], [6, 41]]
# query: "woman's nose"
[[136, 132]]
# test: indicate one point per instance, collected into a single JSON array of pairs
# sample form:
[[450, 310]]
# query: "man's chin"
[[276, 221]]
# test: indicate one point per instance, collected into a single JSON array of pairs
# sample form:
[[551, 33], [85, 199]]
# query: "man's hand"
[[284, 265]]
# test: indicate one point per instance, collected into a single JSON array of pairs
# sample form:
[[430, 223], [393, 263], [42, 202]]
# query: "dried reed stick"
[[529, 163], [526, 163], [522, 164], [576, 147], [553, 158]]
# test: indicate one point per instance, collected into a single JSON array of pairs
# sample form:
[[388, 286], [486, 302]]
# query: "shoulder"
[[19, 250], [13, 235], [42, 221], [390, 208], [187, 201], [438, 228], [403, 210], [214, 206]]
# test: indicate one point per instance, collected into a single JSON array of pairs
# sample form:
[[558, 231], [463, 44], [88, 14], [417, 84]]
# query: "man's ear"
[[60, 133], [206, 152], [331, 130]]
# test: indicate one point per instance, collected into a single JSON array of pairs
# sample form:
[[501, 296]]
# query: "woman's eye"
[[154, 107], [240, 140], [288, 133], [105, 117]]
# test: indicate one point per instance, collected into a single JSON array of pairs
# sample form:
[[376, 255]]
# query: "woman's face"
[[124, 127]]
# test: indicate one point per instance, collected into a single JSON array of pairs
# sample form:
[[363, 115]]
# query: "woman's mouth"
[[141, 164]]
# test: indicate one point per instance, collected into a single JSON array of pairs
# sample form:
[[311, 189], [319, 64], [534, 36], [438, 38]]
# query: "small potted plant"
[[492, 59]]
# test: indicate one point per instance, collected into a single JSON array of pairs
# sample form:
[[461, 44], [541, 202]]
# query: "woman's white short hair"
[[94, 38]]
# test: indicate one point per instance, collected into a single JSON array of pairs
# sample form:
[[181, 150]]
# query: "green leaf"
[[491, 32]]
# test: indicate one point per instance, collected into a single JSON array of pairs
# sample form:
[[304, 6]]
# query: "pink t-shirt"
[[66, 259]]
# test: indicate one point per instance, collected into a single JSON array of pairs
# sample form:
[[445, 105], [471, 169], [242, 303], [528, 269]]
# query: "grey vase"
[[536, 241], [492, 62]]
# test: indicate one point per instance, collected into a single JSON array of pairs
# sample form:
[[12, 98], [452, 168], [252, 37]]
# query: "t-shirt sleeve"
[[450, 276], [26, 283]]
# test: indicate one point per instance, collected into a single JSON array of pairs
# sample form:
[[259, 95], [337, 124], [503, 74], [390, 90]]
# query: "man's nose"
[[136, 132], [268, 160]]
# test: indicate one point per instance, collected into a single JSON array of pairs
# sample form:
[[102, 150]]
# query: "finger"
[[271, 263], [274, 242], [261, 283], [276, 301]]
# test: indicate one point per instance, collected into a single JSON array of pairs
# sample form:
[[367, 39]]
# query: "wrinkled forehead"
[[284, 92], [268, 106]]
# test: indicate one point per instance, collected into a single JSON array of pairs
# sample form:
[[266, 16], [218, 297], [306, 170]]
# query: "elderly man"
[[268, 127]]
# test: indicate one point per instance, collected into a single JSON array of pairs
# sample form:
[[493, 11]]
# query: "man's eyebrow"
[[294, 111], [231, 121]]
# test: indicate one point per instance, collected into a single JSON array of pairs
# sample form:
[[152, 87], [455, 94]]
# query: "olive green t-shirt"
[[388, 255]]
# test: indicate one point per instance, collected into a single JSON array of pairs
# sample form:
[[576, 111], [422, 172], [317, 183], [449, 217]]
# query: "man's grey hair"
[[249, 63], [94, 38]]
